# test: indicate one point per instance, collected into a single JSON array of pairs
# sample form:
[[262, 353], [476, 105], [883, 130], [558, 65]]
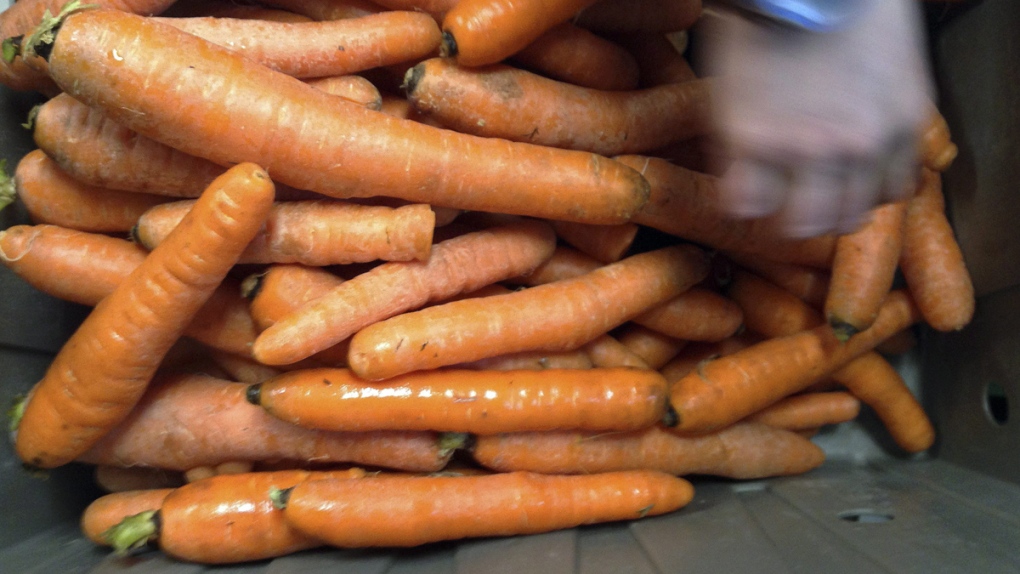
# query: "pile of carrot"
[[387, 274]]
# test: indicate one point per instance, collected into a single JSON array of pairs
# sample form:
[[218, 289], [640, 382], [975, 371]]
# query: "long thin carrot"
[[360, 512], [458, 265], [864, 268], [809, 410], [506, 102], [532, 360], [932, 261], [327, 232], [80, 399], [743, 450], [52, 196], [86, 267], [481, 32], [108, 510], [646, 16], [605, 351], [122, 478], [808, 284], [556, 316], [224, 519], [579, 57], [192, 420], [565, 262], [654, 348], [322, 48], [455, 400], [208, 101], [659, 62], [607, 243]]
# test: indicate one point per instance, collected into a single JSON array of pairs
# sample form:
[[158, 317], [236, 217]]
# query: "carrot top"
[[7, 193], [133, 532], [43, 34]]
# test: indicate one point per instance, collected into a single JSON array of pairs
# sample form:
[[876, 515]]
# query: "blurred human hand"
[[820, 127]]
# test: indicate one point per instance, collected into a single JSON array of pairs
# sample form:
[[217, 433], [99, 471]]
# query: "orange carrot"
[[576, 56], [505, 102], [557, 316], [532, 360], [744, 450], [606, 243], [360, 513], [197, 420], [937, 148], [350, 87], [932, 261], [328, 9], [654, 348], [229, 9], [695, 315], [86, 267], [564, 263], [223, 519], [434, 8], [122, 478], [458, 265], [243, 369], [808, 284], [684, 203], [730, 388], [864, 268], [481, 32], [659, 62], [809, 410], [647, 16], [324, 232], [455, 400], [605, 351], [282, 289], [194, 104], [898, 344], [694, 354], [320, 49], [52, 196], [79, 399], [107, 511]]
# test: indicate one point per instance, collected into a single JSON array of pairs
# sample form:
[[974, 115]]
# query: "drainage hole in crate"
[[996, 403], [865, 516]]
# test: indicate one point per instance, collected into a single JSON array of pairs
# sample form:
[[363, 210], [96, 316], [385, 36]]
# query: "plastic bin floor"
[[892, 516]]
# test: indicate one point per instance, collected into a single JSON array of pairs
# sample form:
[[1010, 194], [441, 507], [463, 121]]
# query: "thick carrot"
[[808, 284], [937, 148], [224, 519], [863, 269], [579, 57], [107, 511], [326, 48], [606, 243], [208, 101], [605, 351], [122, 478], [80, 399], [685, 203], [730, 388], [361, 512], [698, 314], [809, 410], [744, 450], [659, 62], [556, 316], [328, 9], [326, 232], [458, 265], [932, 261], [86, 267], [502, 101], [52, 196], [648, 16], [357, 89], [481, 32], [455, 400], [654, 348], [196, 420]]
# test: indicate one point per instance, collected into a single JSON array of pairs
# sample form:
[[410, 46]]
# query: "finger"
[[863, 192], [814, 202], [752, 188], [901, 172]]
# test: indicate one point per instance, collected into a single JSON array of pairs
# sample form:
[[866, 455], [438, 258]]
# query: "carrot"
[[197, 420], [532, 360], [649, 16], [481, 32], [326, 48], [282, 289], [229, 9], [564, 263], [808, 284], [898, 344], [350, 87], [606, 243], [576, 56], [695, 315], [434, 8], [328, 9], [932, 261], [864, 268], [223, 519], [315, 148], [605, 351], [505, 102], [243, 369], [937, 148], [658, 60], [121, 478], [324, 232], [729, 388], [684, 203], [745, 450], [458, 265], [52, 196], [654, 348], [79, 399], [557, 316], [107, 511], [809, 410], [86, 267], [456, 400], [360, 513], [696, 353]]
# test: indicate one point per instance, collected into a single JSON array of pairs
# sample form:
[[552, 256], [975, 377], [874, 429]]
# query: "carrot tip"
[[253, 394], [451, 441], [280, 497], [7, 189], [14, 414], [133, 532], [412, 78], [251, 285], [11, 47], [670, 418], [40, 41], [448, 46], [842, 330]]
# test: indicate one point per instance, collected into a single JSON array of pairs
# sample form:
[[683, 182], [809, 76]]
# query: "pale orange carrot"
[[579, 57], [532, 360], [606, 243], [809, 411]]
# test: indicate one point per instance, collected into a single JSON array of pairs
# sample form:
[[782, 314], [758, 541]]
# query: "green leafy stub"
[[10, 49], [6, 186], [133, 532], [46, 31], [15, 413]]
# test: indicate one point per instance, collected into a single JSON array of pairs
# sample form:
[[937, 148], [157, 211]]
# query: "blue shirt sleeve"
[[813, 15]]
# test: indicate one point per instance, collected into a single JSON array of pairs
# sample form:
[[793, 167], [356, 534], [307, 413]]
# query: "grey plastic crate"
[[868, 509]]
